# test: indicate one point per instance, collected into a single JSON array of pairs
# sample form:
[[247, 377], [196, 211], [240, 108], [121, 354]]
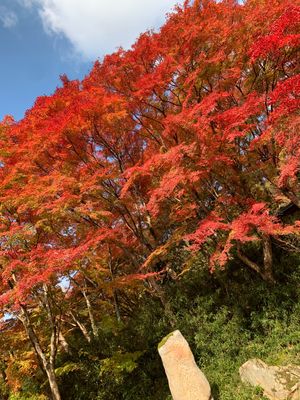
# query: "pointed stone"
[[186, 380]]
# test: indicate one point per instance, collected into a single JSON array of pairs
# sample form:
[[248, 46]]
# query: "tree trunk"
[[116, 305], [265, 273], [64, 343], [83, 329], [268, 258], [91, 315], [46, 366], [115, 294], [53, 383], [251, 264], [55, 328]]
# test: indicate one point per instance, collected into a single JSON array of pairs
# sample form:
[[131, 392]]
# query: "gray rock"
[[278, 383], [186, 380]]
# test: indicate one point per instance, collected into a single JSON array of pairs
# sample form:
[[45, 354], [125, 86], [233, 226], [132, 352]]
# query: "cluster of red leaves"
[[194, 130]]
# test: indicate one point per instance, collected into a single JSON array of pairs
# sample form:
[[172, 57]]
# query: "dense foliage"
[[162, 191]]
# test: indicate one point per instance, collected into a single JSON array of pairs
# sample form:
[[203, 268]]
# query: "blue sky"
[[42, 39]]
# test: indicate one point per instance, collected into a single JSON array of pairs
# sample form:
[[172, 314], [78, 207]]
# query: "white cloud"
[[97, 27], [8, 18]]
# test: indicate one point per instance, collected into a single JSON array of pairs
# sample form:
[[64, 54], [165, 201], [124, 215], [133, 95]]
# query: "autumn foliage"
[[188, 141]]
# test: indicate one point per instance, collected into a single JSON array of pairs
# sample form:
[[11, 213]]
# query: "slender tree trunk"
[[64, 343], [83, 329], [80, 325], [266, 272], [91, 315], [115, 294], [46, 365], [268, 258], [53, 384], [251, 264], [55, 328], [116, 305]]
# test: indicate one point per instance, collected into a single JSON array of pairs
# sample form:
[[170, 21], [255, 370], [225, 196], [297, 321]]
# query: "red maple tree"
[[191, 136]]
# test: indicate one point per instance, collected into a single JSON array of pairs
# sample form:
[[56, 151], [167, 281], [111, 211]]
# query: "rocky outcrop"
[[186, 380], [278, 383]]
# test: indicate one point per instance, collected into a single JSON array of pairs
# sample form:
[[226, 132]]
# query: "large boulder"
[[278, 383], [186, 380]]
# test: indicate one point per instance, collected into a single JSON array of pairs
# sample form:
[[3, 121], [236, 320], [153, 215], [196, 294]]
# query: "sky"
[[42, 39]]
